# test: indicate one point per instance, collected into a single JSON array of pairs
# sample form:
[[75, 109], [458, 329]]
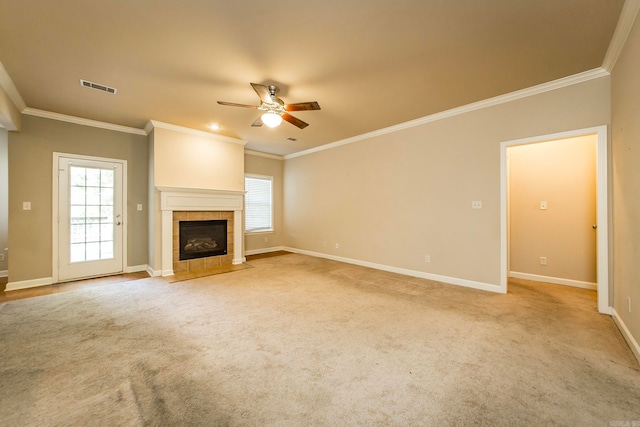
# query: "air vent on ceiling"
[[291, 139], [98, 86]]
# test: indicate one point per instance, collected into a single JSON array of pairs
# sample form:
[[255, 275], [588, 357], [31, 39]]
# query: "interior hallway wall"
[[625, 130], [394, 198], [561, 173]]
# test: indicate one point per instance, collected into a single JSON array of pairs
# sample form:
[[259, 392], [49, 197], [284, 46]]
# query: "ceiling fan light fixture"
[[271, 119]]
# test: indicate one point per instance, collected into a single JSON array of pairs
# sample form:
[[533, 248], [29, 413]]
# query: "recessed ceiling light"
[[214, 126]]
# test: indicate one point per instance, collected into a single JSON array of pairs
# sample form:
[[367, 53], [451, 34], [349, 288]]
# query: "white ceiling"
[[370, 64]]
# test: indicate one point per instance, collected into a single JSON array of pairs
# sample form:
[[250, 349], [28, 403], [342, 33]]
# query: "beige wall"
[[189, 161], [10, 116], [4, 199], [270, 167], [625, 97], [395, 198], [31, 179], [563, 174]]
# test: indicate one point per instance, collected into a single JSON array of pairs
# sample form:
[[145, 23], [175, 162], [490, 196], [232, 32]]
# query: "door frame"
[[602, 207], [55, 208]]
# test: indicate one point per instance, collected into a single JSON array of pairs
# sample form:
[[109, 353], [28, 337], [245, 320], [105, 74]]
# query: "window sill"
[[250, 233]]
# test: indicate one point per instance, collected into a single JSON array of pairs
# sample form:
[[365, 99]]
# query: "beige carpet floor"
[[298, 341]]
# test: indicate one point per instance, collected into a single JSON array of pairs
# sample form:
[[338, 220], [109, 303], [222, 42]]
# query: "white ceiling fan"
[[275, 109]]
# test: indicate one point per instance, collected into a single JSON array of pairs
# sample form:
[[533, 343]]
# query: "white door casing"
[[89, 217], [602, 207]]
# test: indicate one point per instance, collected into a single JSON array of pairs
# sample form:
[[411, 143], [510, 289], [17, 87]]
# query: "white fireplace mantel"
[[190, 199]]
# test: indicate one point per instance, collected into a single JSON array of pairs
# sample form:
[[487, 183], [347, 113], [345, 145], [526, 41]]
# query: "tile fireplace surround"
[[198, 200]]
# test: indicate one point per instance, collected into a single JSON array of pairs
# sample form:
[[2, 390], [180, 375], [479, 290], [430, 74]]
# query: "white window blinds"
[[258, 202]]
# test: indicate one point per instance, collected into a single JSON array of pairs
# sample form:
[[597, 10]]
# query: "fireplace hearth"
[[200, 239]]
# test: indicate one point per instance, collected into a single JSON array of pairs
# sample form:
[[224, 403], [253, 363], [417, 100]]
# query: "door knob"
[[118, 223], [594, 226]]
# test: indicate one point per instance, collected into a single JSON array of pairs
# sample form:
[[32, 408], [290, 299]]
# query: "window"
[[258, 203]]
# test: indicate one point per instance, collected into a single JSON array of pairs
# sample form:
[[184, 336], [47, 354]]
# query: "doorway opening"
[[597, 229]]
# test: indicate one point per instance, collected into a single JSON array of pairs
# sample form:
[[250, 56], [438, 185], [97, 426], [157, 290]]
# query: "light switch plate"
[[26, 206]]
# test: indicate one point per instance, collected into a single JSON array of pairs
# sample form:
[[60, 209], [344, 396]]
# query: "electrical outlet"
[[476, 204], [337, 245], [139, 206], [427, 258], [1, 257], [543, 260], [266, 239]]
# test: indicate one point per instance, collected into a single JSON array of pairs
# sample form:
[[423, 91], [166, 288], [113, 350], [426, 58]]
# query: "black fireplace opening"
[[199, 239]]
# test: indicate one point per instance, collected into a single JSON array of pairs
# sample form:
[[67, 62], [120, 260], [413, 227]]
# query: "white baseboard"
[[633, 344], [264, 250], [4, 273], [152, 272], [25, 284], [413, 273], [136, 268], [554, 280]]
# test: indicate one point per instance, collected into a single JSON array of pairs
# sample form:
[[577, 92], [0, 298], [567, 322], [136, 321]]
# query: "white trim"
[[80, 121], [602, 205], [156, 124], [185, 199], [413, 273], [554, 280], [626, 333], [4, 273], [25, 284], [261, 154], [10, 88], [152, 272], [623, 28], [264, 250], [135, 268], [54, 212], [502, 99]]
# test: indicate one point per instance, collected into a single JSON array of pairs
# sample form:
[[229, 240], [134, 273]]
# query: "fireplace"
[[187, 204], [200, 239]]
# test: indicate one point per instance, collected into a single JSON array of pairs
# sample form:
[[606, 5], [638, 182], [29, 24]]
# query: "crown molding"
[[7, 84], [623, 28], [261, 154], [156, 124], [490, 102], [81, 121]]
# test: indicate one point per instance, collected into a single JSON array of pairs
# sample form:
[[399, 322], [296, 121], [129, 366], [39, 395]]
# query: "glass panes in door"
[[91, 203]]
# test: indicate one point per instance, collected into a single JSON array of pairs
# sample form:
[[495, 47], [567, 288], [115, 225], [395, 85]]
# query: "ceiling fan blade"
[[263, 93], [232, 104], [294, 121], [257, 123], [302, 106]]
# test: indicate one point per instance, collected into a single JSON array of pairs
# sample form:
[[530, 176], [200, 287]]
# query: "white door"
[[90, 227]]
